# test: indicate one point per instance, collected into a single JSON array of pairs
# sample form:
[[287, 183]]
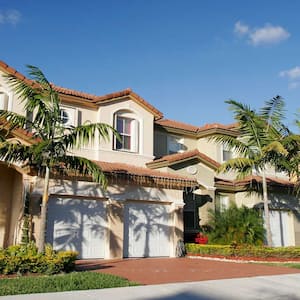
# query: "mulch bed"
[[247, 258]]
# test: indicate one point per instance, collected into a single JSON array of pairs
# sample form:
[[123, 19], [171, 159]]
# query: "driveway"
[[170, 270]]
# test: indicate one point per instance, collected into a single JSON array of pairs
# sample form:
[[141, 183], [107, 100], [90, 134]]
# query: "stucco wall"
[[11, 205], [117, 196], [145, 144]]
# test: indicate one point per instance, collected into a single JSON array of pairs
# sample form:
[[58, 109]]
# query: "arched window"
[[128, 128]]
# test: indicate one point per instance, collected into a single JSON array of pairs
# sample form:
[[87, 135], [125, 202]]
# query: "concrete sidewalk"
[[262, 287]]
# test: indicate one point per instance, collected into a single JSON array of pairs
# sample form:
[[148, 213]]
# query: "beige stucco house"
[[198, 157], [162, 181]]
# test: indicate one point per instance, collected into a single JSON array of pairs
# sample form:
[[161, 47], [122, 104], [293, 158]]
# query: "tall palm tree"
[[260, 144], [52, 141]]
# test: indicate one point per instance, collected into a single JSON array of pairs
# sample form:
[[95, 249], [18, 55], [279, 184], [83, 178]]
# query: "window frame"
[[133, 135], [178, 141]]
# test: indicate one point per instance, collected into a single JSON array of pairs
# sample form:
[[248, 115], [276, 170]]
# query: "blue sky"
[[184, 57]]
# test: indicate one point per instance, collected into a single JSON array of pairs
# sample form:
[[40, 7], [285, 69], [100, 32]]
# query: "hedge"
[[23, 259], [233, 250]]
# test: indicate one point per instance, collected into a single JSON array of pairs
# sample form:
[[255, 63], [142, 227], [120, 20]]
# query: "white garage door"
[[146, 230], [76, 224], [280, 228]]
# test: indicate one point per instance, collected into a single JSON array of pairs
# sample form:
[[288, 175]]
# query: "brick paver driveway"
[[168, 270]]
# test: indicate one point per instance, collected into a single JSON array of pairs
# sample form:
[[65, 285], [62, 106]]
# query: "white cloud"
[[240, 28], [266, 35], [11, 17], [293, 85], [291, 74]]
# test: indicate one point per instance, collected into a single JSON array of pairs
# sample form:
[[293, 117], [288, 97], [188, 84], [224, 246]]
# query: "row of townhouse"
[[162, 181]]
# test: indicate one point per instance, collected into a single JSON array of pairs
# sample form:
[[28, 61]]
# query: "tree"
[[52, 141], [260, 144]]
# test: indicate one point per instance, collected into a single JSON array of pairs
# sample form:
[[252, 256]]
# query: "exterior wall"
[[15, 229], [243, 198], [11, 205], [209, 148], [14, 103], [117, 196], [145, 152], [85, 115]]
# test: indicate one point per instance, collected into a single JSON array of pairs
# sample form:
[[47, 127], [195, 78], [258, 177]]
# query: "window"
[[64, 116], [226, 153], [68, 116], [223, 202], [128, 131], [3, 101], [175, 144]]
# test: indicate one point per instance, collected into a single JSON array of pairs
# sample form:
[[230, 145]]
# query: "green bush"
[[244, 250], [240, 225], [23, 259]]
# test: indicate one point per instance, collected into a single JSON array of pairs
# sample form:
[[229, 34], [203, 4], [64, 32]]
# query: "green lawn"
[[60, 283], [289, 265]]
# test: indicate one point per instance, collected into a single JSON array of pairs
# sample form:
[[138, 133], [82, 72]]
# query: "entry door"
[[76, 224], [146, 230]]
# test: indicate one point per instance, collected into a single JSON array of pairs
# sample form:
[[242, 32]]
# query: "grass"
[[61, 283], [289, 265]]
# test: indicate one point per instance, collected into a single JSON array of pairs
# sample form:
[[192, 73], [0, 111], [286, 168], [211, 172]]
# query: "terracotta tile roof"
[[254, 179], [178, 157], [154, 177], [70, 92], [192, 128], [217, 126], [129, 92], [177, 125], [86, 96], [135, 170]]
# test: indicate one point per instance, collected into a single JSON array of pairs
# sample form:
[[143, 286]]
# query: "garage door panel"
[[280, 228], [77, 224], [147, 230]]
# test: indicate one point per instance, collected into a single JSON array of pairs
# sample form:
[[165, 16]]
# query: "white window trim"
[[224, 148], [223, 202], [135, 135], [73, 113]]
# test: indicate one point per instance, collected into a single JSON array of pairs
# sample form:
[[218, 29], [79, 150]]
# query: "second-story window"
[[226, 154], [68, 116], [127, 129], [175, 144]]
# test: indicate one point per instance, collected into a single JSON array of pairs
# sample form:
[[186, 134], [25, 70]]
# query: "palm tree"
[[52, 141], [260, 144]]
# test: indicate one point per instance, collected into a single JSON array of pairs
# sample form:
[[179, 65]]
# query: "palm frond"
[[230, 142], [84, 167], [14, 152], [242, 165], [250, 126], [84, 134], [11, 120], [275, 147], [273, 111]]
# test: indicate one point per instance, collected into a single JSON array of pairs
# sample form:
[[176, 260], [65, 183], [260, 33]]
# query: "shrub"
[[23, 259], [244, 250], [236, 225]]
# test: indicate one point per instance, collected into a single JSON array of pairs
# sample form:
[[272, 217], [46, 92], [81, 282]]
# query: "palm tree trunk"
[[266, 209], [41, 239]]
